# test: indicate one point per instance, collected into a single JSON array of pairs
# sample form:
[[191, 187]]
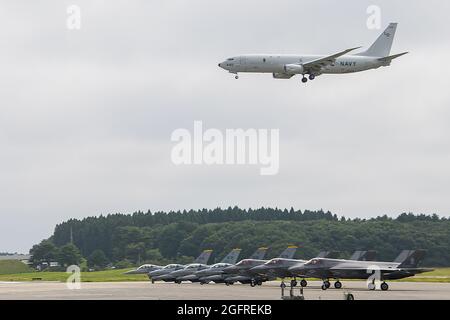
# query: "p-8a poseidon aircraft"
[[287, 66]]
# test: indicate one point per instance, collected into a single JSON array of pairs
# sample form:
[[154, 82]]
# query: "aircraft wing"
[[315, 66]]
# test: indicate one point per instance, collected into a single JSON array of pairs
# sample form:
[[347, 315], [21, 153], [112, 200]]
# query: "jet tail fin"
[[203, 257], [328, 254], [259, 254], [289, 252], [368, 255], [232, 256], [382, 46], [410, 258]]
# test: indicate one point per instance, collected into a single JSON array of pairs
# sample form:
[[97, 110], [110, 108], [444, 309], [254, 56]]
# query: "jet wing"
[[315, 66]]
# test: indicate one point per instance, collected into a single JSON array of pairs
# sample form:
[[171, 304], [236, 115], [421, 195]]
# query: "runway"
[[194, 291]]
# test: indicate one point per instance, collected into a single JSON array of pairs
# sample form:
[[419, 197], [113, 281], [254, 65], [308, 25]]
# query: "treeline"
[[179, 236]]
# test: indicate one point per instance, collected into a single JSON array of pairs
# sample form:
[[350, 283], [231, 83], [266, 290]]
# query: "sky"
[[86, 116]]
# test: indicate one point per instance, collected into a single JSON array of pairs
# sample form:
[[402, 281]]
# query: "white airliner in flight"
[[286, 66]]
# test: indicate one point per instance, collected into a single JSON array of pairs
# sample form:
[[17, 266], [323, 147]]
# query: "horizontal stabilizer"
[[390, 58]]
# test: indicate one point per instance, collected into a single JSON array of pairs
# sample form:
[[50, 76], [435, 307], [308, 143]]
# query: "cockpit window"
[[230, 59], [313, 262]]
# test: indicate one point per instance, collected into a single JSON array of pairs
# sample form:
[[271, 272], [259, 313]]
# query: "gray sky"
[[86, 116]]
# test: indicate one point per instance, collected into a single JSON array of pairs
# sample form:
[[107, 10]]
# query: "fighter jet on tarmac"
[[405, 265], [279, 267], [243, 273], [144, 269], [164, 273], [189, 273], [216, 272]]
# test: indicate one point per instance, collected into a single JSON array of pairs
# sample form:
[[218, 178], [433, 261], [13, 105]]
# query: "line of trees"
[[180, 236]]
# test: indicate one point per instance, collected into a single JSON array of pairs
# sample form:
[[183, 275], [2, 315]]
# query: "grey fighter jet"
[[163, 274], [280, 268], [144, 269], [216, 272], [190, 272], [243, 271], [405, 265]]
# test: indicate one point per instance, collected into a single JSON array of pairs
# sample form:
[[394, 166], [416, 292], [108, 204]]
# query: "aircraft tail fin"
[[328, 254], [289, 252], [259, 254], [232, 256], [382, 46], [410, 258], [203, 257], [368, 255]]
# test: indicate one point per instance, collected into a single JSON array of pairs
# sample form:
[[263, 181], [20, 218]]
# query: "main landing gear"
[[303, 283], [384, 286], [310, 77], [326, 284], [255, 283]]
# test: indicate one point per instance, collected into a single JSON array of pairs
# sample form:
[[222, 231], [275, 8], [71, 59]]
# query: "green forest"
[[164, 237]]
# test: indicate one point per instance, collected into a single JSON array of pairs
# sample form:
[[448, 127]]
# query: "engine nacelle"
[[282, 75], [294, 68]]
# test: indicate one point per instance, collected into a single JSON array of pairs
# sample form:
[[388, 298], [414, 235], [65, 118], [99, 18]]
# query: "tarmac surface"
[[195, 291]]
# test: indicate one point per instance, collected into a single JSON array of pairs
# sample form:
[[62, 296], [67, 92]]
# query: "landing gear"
[[293, 283], [177, 281], [312, 77], [384, 286], [326, 284], [303, 283], [304, 79], [338, 284], [236, 77], [371, 286], [153, 281], [253, 283]]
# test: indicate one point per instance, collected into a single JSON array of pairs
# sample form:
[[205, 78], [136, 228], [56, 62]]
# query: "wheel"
[[227, 284], [293, 283], [312, 77], [236, 77], [259, 283], [202, 283], [303, 283], [384, 286], [304, 79], [252, 284], [338, 284], [282, 285], [327, 283], [153, 281], [371, 286], [324, 287], [350, 297]]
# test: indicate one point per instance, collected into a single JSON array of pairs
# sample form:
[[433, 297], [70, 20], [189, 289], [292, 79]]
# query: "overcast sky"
[[86, 115]]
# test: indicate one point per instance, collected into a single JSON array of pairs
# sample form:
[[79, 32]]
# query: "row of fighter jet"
[[255, 270]]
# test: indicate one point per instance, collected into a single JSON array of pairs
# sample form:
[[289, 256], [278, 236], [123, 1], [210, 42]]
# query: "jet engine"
[[294, 68]]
